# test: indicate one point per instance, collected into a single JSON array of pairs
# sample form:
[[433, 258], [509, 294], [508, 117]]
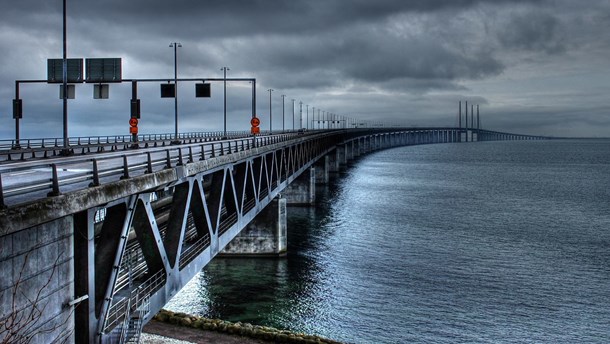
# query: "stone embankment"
[[262, 333]]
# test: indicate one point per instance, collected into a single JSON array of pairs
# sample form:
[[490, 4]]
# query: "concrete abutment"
[[38, 273]]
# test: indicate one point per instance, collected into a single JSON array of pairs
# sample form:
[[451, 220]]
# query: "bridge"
[[95, 242]]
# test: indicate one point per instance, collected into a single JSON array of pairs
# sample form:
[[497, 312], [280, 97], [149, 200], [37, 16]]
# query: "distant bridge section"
[[119, 231]]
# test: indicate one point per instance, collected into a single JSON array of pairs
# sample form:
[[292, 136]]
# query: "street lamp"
[[301, 114], [175, 45], [283, 112], [307, 115], [313, 115], [270, 116], [225, 69], [293, 114], [324, 124], [66, 149]]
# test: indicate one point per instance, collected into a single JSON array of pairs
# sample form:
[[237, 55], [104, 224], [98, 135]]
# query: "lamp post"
[[307, 115], [270, 116], [313, 116], [283, 114], [323, 119], [175, 45], [225, 69], [66, 148], [301, 114], [293, 114]]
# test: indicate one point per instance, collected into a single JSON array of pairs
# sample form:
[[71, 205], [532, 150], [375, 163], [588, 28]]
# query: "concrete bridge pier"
[[334, 161], [342, 155], [322, 170], [266, 234], [357, 148], [302, 191], [37, 268], [263, 236], [349, 152]]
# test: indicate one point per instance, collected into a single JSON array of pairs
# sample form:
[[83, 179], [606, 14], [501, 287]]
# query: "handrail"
[[83, 141], [62, 176]]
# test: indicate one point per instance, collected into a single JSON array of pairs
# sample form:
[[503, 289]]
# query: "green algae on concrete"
[[242, 329]]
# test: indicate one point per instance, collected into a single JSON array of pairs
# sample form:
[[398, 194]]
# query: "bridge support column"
[[322, 170], [349, 152], [263, 236], [342, 155], [37, 271], [357, 148], [302, 191], [334, 160]]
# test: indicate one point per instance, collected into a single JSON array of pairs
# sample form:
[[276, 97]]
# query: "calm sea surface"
[[450, 243]]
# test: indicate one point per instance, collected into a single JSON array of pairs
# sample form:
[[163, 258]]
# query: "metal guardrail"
[[80, 141], [46, 147], [61, 176]]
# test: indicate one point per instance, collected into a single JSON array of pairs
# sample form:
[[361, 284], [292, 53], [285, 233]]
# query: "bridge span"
[[103, 239]]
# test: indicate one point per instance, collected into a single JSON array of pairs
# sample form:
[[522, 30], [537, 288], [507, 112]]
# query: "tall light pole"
[[175, 45], [293, 114], [307, 115], [66, 149], [323, 119], [283, 114], [270, 116], [225, 69], [301, 114], [313, 115]]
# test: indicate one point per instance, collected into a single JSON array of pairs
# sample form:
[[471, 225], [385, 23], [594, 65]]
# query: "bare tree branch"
[[22, 325]]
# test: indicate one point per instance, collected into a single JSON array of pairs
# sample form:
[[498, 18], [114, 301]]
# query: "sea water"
[[483, 242]]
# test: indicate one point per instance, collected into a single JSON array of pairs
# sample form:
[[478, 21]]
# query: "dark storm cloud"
[[534, 31], [359, 57]]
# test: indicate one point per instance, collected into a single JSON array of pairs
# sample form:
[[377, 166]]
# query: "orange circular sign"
[[255, 122], [133, 122]]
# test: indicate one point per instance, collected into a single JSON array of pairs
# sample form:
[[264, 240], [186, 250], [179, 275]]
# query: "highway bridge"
[[104, 236]]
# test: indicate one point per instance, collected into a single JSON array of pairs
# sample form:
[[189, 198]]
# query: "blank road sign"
[[55, 68], [103, 70]]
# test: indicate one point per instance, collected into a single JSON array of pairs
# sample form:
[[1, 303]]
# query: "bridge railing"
[[44, 147], [80, 141], [55, 178]]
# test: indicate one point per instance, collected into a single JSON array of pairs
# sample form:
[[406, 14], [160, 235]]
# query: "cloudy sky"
[[535, 67]]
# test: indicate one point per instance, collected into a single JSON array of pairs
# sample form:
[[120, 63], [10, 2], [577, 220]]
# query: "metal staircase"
[[138, 307]]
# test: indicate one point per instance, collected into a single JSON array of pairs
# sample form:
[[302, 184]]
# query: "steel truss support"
[[134, 254], [146, 247]]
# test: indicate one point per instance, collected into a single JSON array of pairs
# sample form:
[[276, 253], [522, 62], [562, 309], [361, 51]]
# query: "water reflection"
[[268, 291]]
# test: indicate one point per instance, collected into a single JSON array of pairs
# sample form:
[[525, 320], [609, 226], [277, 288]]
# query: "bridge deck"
[[145, 221]]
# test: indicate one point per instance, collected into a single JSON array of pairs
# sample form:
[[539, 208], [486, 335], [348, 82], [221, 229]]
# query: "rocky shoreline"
[[262, 333]]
